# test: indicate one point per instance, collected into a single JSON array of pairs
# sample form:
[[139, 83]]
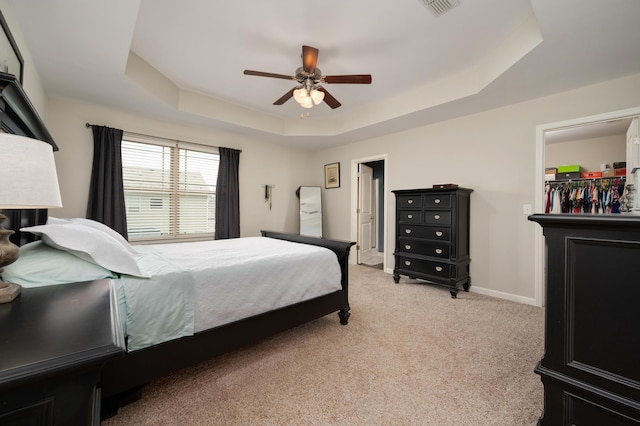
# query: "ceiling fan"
[[309, 78]]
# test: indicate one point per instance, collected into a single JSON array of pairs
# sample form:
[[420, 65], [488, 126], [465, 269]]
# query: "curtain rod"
[[159, 137]]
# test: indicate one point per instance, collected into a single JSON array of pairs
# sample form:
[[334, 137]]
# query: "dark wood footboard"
[[340, 248], [123, 378]]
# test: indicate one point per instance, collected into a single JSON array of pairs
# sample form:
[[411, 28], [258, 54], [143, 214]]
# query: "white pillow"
[[90, 244], [96, 225]]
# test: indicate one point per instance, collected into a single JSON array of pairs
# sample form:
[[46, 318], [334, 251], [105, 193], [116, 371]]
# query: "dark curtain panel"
[[106, 193], [228, 195]]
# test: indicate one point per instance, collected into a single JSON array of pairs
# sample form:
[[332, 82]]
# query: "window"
[[133, 204], [169, 189], [155, 203]]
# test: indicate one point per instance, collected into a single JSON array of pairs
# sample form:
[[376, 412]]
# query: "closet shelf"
[[600, 179]]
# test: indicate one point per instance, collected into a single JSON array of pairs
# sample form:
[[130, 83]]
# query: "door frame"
[[539, 248], [354, 204], [361, 241]]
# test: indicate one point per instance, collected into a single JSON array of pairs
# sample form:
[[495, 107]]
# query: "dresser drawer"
[[409, 202], [442, 201], [409, 216], [435, 233], [426, 267], [436, 217], [425, 248]]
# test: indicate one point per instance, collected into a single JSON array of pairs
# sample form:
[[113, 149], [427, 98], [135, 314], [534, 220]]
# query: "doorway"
[[542, 132], [368, 207]]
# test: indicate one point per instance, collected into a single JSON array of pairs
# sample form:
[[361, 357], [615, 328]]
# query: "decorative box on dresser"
[[432, 236], [591, 366], [53, 343]]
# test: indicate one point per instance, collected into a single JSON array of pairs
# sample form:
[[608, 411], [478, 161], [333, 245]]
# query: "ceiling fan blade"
[[269, 74], [309, 59], [328, 99], [347, 79], [285, 97]]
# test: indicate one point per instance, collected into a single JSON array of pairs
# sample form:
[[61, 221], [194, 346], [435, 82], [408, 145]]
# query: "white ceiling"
[[183, 61]]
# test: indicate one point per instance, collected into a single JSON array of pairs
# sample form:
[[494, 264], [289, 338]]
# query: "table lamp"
[[28, 180]]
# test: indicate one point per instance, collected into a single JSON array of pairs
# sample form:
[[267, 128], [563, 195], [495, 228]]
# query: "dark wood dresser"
[[432, 236], [591, 366], [54, 341]]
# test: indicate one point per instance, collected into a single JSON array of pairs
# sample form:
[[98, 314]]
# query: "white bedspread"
[[238, 278]]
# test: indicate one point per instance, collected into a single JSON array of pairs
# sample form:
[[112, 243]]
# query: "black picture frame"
[[332, 175], [11, 61]]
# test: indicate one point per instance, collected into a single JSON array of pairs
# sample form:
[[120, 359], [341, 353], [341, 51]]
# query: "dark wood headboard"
[[18, 116]]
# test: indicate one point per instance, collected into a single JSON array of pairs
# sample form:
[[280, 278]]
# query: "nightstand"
[[54, 341]]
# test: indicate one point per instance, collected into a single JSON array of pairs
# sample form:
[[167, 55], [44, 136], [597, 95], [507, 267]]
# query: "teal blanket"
[[158, 308]]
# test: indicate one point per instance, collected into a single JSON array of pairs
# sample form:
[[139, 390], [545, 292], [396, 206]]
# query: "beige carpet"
[[410, 355]]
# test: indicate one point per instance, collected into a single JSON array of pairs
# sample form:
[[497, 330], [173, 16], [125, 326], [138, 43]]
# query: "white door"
[[375, 208], [633, 159], [633, 147], [365, 180]]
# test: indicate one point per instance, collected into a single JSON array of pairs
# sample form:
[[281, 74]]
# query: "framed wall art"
[[332, 175], [11, 61]]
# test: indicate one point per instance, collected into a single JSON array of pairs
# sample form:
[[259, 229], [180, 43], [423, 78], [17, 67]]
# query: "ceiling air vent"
[[438, 7]]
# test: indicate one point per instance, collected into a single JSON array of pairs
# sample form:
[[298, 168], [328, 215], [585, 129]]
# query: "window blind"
[[169, 190]]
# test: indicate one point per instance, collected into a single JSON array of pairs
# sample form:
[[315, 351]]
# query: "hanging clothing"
[[594, 196]]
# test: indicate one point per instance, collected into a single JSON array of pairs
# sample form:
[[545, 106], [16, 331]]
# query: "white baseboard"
[[494, 293], [502, 295]]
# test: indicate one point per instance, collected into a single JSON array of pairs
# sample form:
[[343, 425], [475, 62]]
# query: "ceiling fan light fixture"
[[299, 94], [307, 102], [307, 93], [317, 96]]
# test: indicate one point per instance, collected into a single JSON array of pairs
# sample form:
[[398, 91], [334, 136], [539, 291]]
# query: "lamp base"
[[9, 291]]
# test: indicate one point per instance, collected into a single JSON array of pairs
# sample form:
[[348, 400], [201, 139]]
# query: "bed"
[[122, 379], [244, 319]]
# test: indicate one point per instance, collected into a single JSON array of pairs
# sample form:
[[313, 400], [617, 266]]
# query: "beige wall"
[[588, 153], [260, 163], [493, 153]]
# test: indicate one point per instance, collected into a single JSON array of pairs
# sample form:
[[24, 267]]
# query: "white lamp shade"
[[307, 102], [28, 178]]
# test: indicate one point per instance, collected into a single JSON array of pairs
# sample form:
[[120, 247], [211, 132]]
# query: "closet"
[[595, 150]]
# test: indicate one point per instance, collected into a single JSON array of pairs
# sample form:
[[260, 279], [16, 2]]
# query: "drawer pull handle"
[[439, 268], [437, 200], [439, 233], [408, 231], [407, 262], [436, 217], [410, 216], [409, 201], [407, 247], [439, 251]]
